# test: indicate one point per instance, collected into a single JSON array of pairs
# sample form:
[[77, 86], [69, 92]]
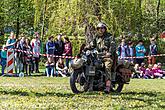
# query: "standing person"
[[18, 57], [10, 44], [152, 51], [130, 51], [50, 47], [3, 59], [22, 46], [122, 51], [67, 50], [35, 43], [140, 52], [60, 45], [28, 57]]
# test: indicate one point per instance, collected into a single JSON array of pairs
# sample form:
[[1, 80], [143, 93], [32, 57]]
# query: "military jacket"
[[105, 42]]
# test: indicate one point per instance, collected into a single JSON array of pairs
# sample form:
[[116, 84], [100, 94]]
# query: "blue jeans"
[[67, 62], [3, 69], [3, 64], [49, 71]]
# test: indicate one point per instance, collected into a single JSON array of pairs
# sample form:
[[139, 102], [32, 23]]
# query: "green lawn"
[[44, 93]]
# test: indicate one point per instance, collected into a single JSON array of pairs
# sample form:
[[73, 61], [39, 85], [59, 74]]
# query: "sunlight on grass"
[[54, 93]]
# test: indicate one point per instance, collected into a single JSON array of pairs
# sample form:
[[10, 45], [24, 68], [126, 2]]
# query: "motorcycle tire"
[[73, 86], [118, 89]]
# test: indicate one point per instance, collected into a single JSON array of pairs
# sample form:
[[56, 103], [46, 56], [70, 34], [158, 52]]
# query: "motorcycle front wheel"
[[116, 87], [78, 83]]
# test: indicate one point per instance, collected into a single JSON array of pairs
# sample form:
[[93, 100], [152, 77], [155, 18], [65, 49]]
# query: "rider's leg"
[[108, 65]]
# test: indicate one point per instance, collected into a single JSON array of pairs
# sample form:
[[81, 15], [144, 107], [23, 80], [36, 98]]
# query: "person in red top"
[[67, 50]]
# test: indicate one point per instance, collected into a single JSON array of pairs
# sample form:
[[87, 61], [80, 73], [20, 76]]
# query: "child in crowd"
[[142, 69], [149, 73], [140, 52], [50, 67], [158, 72], [61, 68], [3, 59], [137, 73], [160, 68]]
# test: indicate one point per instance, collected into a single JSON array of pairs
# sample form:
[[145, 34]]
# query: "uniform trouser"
[[108, 65]]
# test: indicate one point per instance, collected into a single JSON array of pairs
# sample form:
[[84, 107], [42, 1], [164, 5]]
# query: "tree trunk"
[[140, 16], [157, 14], [18, 20], [43, 22]]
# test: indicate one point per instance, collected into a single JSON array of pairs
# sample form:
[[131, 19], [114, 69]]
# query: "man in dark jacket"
[[60, 45]]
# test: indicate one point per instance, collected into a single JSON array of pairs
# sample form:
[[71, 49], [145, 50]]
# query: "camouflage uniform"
[[106, 43]]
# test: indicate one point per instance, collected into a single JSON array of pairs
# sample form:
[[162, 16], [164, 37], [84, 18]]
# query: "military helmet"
[[101, 25]]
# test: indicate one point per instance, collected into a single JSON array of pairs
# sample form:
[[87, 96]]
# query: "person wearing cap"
[[104, 42], [153, 50], [140, 52]]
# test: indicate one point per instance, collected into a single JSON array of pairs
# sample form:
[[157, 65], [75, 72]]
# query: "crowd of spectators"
[[62, 46], [136, 55], [28, 62], [150, 72]]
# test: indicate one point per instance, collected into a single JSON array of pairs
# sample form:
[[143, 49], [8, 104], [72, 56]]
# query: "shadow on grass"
[[37, 94], [153, 98]]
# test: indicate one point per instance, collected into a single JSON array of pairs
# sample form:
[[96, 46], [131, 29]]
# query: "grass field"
[[42, 93]]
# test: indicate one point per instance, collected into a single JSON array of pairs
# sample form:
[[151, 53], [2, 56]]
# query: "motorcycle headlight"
[[77, 63]]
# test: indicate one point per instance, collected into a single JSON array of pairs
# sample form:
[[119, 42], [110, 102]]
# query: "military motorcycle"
[[89, 73]]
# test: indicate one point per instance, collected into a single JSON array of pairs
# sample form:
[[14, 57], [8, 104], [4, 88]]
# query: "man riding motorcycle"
[[105, 43]]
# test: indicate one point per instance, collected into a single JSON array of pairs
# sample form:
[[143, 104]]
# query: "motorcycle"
[[89, 73]]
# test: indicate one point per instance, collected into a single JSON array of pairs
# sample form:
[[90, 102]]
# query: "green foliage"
[[11, 12], [68, 16]]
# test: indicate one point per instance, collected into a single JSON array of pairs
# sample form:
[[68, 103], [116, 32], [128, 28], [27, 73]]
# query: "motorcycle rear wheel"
[[75, 85]]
